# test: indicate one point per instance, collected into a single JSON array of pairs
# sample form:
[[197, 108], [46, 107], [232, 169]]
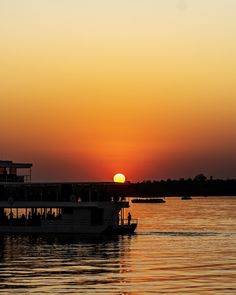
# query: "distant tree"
[[147, 181], [181, 179], [200, 177]]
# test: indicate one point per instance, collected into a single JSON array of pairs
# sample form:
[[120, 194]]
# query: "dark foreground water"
[[181, 247]]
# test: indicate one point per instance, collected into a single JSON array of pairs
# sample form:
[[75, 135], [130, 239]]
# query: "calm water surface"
[[181, 247]]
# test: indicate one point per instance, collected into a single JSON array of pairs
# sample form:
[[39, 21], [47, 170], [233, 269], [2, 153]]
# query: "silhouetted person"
[[11, 217], [48, 216], [129, 218], [5, 218], [116, 198], [23, 219]]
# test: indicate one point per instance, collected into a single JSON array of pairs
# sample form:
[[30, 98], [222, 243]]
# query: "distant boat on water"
[[149, 200], [186, 198]]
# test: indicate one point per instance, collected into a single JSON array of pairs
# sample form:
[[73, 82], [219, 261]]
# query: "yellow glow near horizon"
[[119, 177]]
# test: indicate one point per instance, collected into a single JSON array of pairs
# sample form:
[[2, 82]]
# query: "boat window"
[[68, 210], [97, 216], [66, 191]]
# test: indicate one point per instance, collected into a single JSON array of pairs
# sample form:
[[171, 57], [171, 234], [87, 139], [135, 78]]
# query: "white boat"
[[62, 208]]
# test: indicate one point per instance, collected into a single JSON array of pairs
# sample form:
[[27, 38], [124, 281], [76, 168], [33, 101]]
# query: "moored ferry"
[[60, 208]]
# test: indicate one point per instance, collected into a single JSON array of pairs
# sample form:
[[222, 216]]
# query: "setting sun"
[[119, 177]]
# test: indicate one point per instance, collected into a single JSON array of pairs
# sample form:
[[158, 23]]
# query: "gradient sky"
[[144, 87]]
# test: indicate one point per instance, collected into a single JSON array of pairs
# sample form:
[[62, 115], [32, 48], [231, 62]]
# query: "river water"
[[180, 247]]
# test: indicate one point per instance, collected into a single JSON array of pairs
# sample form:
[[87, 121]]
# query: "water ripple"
[[184, 251]]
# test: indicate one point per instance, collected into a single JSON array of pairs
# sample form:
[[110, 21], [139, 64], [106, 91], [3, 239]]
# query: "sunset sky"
[[90, 88]]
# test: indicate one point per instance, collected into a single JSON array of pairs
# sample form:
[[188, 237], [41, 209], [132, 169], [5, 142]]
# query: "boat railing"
[[128, 222]]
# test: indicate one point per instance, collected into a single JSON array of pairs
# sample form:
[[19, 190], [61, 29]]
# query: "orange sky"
[[145, 87]]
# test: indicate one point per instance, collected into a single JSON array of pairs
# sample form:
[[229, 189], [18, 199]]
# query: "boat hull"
[[120, 229], [54, 230], [111, 229]]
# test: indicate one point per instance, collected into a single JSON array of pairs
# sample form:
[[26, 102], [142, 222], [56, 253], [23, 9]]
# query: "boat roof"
[[10, 164]]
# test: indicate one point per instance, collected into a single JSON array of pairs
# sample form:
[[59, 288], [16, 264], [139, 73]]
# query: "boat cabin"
[[62, 208], [59, 207], [9, 172]]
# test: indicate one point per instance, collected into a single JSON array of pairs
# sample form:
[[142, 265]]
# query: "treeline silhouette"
[[198, 186]]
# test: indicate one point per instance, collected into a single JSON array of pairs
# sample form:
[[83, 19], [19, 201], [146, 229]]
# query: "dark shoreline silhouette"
[[198, 186]]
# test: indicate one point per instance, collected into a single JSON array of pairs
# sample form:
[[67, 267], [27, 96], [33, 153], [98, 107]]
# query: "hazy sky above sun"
[[143, 87]]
